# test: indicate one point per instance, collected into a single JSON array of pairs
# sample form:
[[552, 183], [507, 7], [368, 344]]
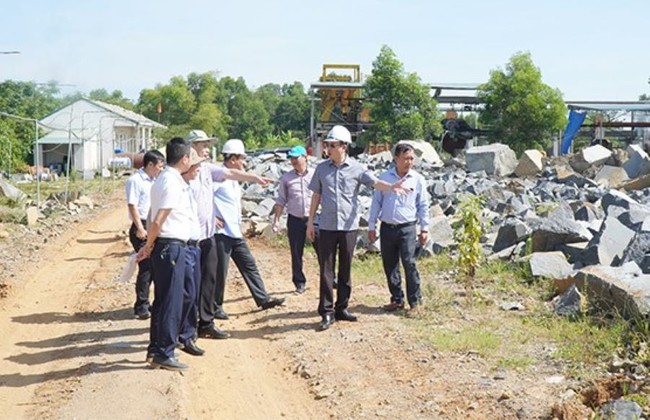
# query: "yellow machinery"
[[339, 91], [341, 97]]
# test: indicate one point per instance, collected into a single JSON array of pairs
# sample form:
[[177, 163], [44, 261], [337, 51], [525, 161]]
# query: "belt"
[[398, 226], [169, 241], [304, 219]]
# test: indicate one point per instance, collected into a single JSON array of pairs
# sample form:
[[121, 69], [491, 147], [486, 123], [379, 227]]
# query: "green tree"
[[520, 110], [28, 100], [116, 98], [293, 110], [400, 104], [249, 119], [175, 102]]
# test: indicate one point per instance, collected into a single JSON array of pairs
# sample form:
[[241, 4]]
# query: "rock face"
[[9, 191], [552, 265], [424, 151], [531, 163], [638, 162], [624, 288], [495, 159], [590, 156]]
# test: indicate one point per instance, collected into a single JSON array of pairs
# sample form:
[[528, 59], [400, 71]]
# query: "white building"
[[89, 132]]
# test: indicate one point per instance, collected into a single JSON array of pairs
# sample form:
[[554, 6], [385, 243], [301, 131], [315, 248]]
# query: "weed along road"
[[71, 347]]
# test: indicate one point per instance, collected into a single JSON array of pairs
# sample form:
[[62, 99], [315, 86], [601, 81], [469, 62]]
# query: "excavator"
[[456, 133]]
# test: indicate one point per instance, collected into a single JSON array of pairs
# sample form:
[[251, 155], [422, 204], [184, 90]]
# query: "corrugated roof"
[[609, 106], [127, 114], [61, 137]]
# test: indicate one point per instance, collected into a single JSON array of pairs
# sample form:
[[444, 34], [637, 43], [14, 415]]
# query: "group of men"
[[186, 227]]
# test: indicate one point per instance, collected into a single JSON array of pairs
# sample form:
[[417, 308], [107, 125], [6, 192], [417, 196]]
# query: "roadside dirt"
[[72, 349]]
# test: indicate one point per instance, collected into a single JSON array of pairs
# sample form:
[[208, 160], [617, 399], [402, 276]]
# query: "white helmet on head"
[[339, 133], [233, 147]]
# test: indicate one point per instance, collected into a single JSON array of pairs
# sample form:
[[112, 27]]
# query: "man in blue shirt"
[[399, 216]]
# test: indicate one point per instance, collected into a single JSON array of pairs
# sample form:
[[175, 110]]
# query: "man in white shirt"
[[202, 186], [138, 188], [173, 218], [229, 238]]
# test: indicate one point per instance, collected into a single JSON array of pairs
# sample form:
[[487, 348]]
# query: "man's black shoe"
[[272, 303], [344, 315], [220, 314], [145, 314], [212, 332], [167, 363], [300, 289], [325, 323], [190, 347]]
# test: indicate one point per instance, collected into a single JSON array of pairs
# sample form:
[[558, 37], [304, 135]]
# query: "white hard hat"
[[233, 147], [339, 133]]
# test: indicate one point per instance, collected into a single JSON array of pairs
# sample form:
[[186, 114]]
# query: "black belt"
[[304, 219], [401, 225], [169, 241]]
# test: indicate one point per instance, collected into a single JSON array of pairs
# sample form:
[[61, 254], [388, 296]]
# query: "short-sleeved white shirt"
[[138, 192], [227, 197], [170, 191]]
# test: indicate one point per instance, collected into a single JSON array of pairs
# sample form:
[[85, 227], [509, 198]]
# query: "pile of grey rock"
[[582, 220]]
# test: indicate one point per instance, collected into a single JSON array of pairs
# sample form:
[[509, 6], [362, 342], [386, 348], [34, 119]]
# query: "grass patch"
[[480, 339], [11, 214]]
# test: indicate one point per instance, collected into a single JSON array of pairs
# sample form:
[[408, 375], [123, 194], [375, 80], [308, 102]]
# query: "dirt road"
[[71, 349]]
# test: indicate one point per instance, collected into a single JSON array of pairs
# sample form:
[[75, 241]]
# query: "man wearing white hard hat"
[[203, 189], [336, 183], [230, 240]]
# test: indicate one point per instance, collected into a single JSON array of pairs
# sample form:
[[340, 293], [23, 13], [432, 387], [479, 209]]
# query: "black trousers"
[[329, 244], [143, 280], [297, 233], [237, 249], [400, 243], [168, 272], [210, 285]]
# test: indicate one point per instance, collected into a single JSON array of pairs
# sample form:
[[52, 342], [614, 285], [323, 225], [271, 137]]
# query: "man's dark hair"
[[227, 156], [176, 148], [154, 157], [403, 148]]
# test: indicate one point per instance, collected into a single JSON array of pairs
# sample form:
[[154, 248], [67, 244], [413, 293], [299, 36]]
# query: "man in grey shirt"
[[336, 184]]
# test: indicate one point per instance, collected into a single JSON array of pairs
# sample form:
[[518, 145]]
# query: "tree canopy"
[[400, 104], [520, 110]]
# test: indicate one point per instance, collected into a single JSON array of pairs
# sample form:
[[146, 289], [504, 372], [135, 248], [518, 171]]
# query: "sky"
[[588, 49]]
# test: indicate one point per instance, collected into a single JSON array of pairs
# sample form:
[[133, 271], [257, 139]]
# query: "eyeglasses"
[[333, 145]]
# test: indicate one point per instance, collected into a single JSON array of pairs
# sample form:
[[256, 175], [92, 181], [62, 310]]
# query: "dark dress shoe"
[[167, 363], [220, 314], [143, 314], [212, 332], [344, 315], [190, 347], [393, 306], [325, 323], [300, 289], [272, 303]]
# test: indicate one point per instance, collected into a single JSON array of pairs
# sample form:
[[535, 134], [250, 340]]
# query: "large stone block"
[[625, 289], [590, 156], [531, 163], [638, 162], [495, 159], [611, 176], [552, 265]]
